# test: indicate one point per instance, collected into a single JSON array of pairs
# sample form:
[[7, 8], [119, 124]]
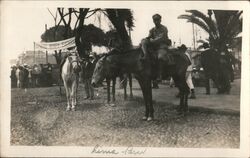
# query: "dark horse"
[[177, 71], [129, 62], [218, 68], [88, 71]]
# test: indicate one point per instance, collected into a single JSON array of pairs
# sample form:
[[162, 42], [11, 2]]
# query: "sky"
[[23, 23]]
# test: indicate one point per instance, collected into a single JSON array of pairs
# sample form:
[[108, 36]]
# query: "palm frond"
[[200, 23], [210, 23]]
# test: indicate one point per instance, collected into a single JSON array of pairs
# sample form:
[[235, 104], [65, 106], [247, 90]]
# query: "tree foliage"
[[222, 28], [92, 35], [85, 36], [56, 33]]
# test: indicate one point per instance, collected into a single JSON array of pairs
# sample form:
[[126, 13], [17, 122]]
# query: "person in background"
[[189, 81], [26, 75], [30, 76], [13, 77], [189, 74], [88, 69]]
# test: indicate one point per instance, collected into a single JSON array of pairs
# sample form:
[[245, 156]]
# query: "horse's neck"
[[66, 68], [128, 59]]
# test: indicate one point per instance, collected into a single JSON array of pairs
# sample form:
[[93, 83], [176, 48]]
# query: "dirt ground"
[[38, 117]]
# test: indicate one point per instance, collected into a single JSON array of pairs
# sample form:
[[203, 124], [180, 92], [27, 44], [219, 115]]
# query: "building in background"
[[33, 57]]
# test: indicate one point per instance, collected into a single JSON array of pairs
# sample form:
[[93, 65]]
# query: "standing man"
[[13, 77], [87, 73], [26, 76], [189, 72]]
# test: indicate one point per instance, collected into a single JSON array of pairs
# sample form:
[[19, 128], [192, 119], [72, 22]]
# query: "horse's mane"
[[119, 52]]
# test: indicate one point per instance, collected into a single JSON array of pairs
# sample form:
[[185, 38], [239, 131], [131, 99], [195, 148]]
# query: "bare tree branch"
[[54, 17], [60, 11]]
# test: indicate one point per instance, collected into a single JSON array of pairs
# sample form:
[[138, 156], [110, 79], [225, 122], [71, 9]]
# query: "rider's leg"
[[160, 57], [144, 44]]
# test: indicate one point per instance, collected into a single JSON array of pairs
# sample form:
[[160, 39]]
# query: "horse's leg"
[[113, 89], [181, 102], [186, 92], [148, 91], [180, 82], [207, 86], [108, 90], [142, 85], [73, 95], [125, 88], [130, 86], [186, 103], [67, 96]]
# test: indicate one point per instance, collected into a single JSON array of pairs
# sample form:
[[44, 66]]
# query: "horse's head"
[[99, 72], [74, 60]]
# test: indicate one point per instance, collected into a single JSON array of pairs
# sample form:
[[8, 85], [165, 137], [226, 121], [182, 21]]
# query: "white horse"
[[70, 75]]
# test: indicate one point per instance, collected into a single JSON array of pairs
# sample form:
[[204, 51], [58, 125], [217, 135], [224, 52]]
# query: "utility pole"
[[34, 59], [46, 49], [193, 36]]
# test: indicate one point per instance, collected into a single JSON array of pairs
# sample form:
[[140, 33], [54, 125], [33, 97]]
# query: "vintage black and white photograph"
[[124, 78]]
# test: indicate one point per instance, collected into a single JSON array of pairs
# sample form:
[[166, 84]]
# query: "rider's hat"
[[156, 16], [182, 47]]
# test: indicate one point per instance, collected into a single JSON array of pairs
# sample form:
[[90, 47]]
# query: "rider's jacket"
[[159, 36]]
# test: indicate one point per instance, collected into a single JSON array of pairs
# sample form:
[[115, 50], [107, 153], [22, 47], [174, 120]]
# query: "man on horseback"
[[157, 39]]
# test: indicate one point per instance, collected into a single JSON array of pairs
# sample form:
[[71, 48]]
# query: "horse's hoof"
[[73, 109], [150, 119], [68, 109], [144, 118]]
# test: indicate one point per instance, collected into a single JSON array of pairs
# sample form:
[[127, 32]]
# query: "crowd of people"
[[27, 76]]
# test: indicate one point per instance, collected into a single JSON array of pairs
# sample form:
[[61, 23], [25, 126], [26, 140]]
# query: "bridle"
[[71, 61], [75, 60]]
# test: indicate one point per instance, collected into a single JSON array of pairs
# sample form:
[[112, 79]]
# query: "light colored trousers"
[[189, 79]]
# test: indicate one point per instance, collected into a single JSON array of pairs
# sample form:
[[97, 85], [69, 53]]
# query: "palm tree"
[[223, 27]]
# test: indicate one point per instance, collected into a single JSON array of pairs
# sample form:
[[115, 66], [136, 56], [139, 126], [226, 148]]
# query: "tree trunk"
[[58, 56], [80, 46], [119, 24]]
